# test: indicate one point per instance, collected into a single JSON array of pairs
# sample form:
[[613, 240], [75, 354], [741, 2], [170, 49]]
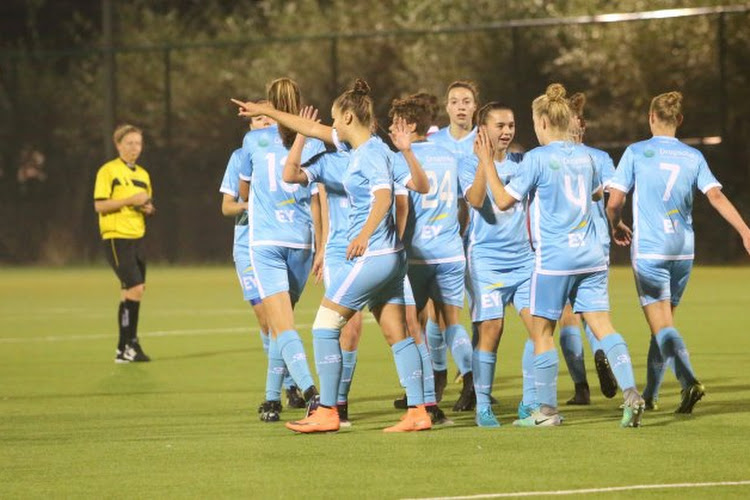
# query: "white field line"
[[190, 332], [592, 490]]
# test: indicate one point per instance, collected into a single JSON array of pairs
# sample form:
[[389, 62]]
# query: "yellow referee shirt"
[[115, 180]]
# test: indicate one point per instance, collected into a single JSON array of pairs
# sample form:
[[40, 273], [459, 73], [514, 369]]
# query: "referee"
[[122, 198]]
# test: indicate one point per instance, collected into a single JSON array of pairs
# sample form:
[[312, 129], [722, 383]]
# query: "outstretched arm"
[[299, 124], [727, 210], [621, 233]]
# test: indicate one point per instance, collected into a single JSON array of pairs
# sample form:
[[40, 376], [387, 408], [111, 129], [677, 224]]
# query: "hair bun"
[[555, 92], [674, 98], [361, 87]]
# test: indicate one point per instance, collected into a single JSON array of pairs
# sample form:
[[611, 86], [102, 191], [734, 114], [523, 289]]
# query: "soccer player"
[[569, 263], [499, 256], [233, 204], [571, 342], [433, 243], [123, 198], [458, 137], [281, 241], [374, 271], [328, 169], [664, 174]]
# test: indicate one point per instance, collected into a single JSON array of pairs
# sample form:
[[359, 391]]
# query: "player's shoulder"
[[262, 138], [110, 165]]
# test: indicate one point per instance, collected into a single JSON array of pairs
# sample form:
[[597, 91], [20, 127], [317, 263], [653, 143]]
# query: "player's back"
[[606, 170], [664, 173], [562, 228], [370, 169], [279, 212], [432, 232], [329, 168]]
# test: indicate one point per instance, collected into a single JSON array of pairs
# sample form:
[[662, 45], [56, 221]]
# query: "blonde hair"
[[554, 106], [284, 95], [668, 107], [122, 130], [357, 100]]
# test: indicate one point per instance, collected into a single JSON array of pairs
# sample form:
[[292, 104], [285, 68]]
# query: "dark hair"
[[431, 103], [485, 111], [413, 109], [357, 100], [284, 95]]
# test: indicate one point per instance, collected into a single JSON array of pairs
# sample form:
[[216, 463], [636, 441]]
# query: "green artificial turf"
[[74, 424]]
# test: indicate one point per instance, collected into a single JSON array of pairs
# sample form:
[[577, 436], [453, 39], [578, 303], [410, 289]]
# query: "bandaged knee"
[[328, 319]]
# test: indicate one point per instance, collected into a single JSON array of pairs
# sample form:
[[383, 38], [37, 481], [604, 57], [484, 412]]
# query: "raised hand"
[[400, 134], [483, 147]]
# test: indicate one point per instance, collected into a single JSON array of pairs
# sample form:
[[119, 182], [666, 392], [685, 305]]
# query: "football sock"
[[655, 368], [438, 348], [428, 375], [546, 366], [132, 307], [409, 368], [483, 369], [293, 352], [122, 325], [593, 341], [571, 344], [460, 345], [266, 340], [527, 371], [276, 371], [327, 363], [671, 345], [348, 364], [616, 349]]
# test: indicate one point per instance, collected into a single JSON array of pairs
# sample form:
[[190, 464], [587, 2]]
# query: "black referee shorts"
[[127, 258]]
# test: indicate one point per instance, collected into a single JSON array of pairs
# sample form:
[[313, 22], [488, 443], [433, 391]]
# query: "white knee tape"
[[329, 319]]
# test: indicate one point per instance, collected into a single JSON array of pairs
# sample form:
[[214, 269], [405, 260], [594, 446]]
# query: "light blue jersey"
[[329, 169], [371, 169], [664, 174], [459, 147], [431, 235], [561, 177], [497, 235], [279, 212], [230, 185], [606, 170]]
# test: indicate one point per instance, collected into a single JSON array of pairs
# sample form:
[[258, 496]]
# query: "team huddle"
[[458, 214]]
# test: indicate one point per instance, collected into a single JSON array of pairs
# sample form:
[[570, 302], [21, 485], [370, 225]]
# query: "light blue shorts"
[[586, 293], [408, 292], [281, 269], [658, 280], [332, 262], [248, 283], [491, 290], [443, 283], [371, 281]]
